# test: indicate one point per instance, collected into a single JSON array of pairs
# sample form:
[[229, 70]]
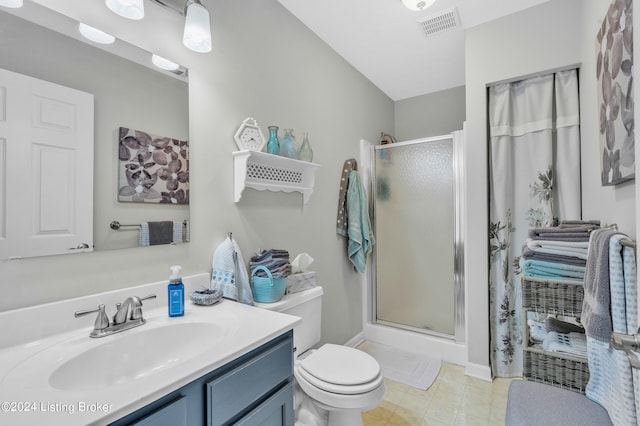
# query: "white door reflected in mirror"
[[46, 159]]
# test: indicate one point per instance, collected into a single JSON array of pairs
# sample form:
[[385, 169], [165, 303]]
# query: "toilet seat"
[[340, 370]]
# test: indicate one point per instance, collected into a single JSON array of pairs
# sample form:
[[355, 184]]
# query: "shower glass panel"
[[415, 227]]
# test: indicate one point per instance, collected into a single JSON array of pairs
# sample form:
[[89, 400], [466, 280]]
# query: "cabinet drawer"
[[241, 388], [277, 410]]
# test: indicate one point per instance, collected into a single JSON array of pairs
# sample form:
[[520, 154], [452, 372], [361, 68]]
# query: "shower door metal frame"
[[458, 261]]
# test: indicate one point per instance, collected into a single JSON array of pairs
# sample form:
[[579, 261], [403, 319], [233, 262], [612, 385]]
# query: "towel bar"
[[115, 225]]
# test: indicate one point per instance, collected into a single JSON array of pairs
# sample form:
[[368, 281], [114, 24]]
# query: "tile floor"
[[453, 399]]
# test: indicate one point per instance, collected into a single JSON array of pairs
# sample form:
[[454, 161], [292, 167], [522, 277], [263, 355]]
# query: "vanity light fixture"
[[14, 4], [417, 4], [197, 22], [163, 63], [130, 9], [95, 34], [197, 27]]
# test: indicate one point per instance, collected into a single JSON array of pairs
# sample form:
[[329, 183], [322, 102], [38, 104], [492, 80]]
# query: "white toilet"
[[341, 380]]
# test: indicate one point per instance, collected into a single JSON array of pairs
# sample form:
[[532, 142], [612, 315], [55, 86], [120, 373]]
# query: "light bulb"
[[164, 63], [130, 9], [95, 34], [14, 4], [417, 4]]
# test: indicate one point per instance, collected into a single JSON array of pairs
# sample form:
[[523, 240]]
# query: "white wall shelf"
[[262, 172]]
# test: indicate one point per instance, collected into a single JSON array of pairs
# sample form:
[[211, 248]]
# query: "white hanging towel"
[[229, 274]]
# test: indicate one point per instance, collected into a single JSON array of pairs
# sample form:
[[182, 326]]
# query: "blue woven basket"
[[267, 289]]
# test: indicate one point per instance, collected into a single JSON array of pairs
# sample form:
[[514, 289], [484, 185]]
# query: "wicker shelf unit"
[[562, 298]]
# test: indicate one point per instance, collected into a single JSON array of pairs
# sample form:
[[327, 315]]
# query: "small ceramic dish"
[[206, 297]]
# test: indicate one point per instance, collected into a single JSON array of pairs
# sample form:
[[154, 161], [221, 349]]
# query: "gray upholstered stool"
[[532, 403]]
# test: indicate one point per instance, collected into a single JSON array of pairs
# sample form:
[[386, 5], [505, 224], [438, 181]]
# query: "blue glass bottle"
[[273, 145], [288, 146]]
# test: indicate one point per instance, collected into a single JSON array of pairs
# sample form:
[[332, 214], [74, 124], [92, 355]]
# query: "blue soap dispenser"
[[176, 292]]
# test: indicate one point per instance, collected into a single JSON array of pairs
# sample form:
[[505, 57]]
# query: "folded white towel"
[[578, 252]]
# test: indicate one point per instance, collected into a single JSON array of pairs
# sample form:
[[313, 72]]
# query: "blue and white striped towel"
[[610, 374]]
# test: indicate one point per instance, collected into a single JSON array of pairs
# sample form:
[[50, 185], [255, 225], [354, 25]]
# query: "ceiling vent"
[[435, 24]]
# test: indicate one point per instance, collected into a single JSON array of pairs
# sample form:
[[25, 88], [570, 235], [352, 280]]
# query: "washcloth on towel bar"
[[154, 233]]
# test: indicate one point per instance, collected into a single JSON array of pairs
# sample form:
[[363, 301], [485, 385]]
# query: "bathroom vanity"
[[220, 364], [247, 391]]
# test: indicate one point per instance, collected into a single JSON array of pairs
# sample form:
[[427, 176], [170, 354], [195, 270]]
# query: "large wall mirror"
[[128, 92]]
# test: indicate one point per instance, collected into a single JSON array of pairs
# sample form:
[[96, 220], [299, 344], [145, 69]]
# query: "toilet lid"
[[341, 365]]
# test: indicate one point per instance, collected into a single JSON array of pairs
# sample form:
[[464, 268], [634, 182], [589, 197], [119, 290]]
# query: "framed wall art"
[[152, 168], [614, 56]]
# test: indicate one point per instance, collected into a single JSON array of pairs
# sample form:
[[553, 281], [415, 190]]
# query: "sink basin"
[[130, 357]]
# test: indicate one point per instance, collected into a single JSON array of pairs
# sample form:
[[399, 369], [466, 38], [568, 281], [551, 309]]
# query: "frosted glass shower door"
[[414, 219]]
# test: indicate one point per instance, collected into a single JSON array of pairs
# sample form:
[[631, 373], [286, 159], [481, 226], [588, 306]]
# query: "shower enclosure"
[[416, 281]]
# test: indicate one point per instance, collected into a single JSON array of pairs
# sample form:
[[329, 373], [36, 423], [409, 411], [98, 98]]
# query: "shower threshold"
[[426, 330]]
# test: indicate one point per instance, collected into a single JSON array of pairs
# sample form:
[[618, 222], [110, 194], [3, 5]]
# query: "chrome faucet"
[[130, 309], [128, 315]]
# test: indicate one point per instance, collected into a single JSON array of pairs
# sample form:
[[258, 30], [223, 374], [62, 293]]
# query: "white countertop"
[[29, 353]]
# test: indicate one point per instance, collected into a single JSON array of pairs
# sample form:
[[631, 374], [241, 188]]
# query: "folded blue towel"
[[552, 267], [543, 269]]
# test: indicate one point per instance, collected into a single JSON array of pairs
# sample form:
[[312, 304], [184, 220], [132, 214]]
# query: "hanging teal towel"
[[359, 230]]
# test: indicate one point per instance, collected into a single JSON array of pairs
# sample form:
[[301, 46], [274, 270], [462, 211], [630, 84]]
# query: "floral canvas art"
[[153, 169], [614, 51]]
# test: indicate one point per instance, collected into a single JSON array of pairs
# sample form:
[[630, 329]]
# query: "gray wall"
[[267, 65], [556, 34], [433, 114]]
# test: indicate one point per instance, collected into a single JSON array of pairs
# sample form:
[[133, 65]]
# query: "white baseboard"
[[478, 371], [355, 340]]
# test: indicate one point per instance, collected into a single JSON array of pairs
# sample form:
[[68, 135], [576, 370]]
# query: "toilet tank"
[[306, 304]]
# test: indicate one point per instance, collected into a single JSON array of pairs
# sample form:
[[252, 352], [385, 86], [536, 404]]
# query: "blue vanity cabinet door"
[[252, 389], [238, 391], [174, 414], [275, 411]]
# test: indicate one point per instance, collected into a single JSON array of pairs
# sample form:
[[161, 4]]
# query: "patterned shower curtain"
[[534, 182]]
